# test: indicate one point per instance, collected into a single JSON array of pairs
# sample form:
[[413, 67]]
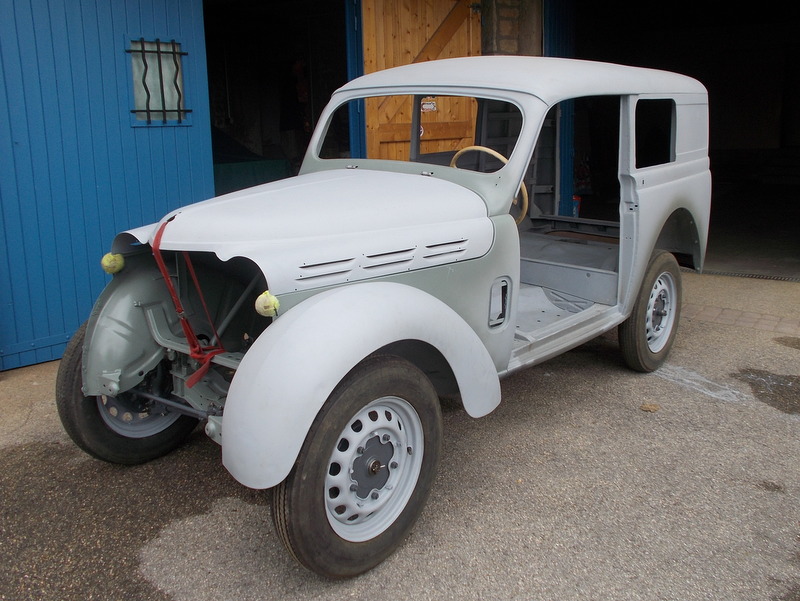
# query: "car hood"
[[333, 227]]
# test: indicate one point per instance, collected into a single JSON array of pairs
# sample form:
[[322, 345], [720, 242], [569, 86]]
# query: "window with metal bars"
[[158, 93]]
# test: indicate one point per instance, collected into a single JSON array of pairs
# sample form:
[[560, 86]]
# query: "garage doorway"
[[271, 69]]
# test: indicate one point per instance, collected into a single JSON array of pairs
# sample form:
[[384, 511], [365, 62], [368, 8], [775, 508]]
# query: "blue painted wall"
[[559, 40], [355, 68], [74, 167]]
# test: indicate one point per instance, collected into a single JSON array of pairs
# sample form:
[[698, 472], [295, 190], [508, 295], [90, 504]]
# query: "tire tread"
[[298, 514], [82, 422], [636, 354]]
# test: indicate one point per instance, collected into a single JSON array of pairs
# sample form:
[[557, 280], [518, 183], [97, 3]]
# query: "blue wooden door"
[[559, 40], [76, 164]]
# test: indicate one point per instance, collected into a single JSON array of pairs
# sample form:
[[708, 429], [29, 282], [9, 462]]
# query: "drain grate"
[[756, 276]]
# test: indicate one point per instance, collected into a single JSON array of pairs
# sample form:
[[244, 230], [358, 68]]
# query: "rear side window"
[[655, 132]]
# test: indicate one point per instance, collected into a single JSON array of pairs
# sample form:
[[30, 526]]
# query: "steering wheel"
[[497, 155]]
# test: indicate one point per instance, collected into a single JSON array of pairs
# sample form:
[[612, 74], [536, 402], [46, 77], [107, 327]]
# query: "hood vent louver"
[[382, 262], [439, 250], [395, 257], [325, 269]]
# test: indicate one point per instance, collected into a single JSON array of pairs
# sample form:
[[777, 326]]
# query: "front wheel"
[[125, 429], [364, 472], [646, 337]]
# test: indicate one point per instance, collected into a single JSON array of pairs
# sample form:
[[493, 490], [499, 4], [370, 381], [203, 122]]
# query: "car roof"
[[550, 79]]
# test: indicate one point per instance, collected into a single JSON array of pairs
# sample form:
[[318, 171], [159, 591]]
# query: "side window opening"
[[596, 163], [574, 171], [655, 132]]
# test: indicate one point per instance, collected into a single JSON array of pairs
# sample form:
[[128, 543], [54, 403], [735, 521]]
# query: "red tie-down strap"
[[198, 352]]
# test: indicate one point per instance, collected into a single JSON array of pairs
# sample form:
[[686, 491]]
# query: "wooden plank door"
[[400, 33]]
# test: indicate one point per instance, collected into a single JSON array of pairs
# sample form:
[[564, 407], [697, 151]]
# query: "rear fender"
[[292, 368]]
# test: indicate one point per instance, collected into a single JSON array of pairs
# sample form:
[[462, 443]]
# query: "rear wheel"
[[364, 472], [126, 429], [646, 337]]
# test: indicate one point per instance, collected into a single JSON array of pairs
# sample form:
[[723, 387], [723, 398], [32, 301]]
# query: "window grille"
[[158, 93]]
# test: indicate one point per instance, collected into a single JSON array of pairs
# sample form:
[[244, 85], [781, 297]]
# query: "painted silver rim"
[[132, 415], [660, 317], [374, 469]]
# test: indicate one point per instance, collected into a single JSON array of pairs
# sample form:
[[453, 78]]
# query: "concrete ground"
[[588, 482]]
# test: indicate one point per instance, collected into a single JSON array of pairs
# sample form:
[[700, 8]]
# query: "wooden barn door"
[[400, 33]]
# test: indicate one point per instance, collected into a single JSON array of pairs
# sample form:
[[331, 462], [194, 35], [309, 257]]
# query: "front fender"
[[291, 369]]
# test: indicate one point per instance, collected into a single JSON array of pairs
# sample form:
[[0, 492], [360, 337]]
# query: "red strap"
[[190, 268], [202, 354]]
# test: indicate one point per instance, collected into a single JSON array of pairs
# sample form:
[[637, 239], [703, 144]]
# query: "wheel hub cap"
[[370, 469], [660, 312], [374, 468]]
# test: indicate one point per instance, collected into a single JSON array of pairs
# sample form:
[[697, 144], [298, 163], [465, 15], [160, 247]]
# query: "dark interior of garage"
[[750, 63], [272, 66]]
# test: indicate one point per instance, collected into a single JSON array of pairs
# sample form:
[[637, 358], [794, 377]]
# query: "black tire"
[[646, 337], [98, 424], [383, 422]]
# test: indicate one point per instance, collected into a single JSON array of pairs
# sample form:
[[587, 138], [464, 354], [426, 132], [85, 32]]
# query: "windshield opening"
[[460, 131]]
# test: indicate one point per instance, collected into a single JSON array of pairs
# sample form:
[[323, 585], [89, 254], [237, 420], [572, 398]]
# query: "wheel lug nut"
[[374, 496], [360, 450], [353, 487], [393, 465], [385, 438]]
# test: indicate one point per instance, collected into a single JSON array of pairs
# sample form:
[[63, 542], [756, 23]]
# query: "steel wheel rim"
[[373, 469], [125, 419], [660, 317]]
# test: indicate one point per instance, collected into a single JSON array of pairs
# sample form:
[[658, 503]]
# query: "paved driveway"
[[588, 482]]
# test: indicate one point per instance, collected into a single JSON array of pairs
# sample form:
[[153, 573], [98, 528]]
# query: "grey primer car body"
[[313, 323]]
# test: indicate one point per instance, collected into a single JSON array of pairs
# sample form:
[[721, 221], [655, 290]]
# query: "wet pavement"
[[588, 482]]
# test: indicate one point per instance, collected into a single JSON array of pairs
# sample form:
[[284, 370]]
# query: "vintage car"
[[453, 222]]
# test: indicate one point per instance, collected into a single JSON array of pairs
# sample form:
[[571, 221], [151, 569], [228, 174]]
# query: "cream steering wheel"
[[497, 155]]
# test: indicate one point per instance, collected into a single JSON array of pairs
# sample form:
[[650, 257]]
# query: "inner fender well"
[[119, 350], [428, 359], [679, 236]]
